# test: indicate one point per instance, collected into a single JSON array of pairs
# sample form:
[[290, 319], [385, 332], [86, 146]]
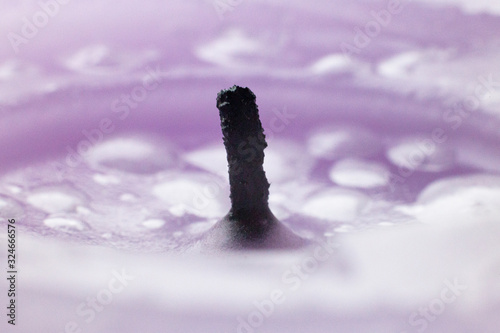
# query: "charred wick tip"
[[244, 141], [249, 224]]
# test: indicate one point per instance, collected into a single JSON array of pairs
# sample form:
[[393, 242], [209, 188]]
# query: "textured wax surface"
[[112, 161]]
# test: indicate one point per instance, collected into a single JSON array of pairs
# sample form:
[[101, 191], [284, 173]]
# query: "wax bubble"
[[103, 179], [153, 223], [64, 224], [193, 193], [55, 199], [343, 141], [357, 173], [211, 158], [419, 153], [132, 155], [466, 199], [335, 205]]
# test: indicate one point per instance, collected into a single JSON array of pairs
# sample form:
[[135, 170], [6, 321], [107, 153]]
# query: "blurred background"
[[382, 122]]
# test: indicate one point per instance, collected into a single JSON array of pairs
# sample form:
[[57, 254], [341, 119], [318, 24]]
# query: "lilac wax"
[[381, 123]]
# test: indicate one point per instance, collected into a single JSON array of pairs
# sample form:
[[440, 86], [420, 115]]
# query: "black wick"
[[245, 141], [250, 223]]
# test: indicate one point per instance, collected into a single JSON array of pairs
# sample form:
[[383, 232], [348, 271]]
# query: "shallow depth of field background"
[[382, 122]]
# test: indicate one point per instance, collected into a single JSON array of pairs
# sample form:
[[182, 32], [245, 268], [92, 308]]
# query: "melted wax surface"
[[112, 161]]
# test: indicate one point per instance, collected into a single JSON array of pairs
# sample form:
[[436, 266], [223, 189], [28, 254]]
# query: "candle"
[[381, 160]]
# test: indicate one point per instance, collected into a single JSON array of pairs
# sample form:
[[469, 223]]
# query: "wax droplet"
[[55, 200], [193, 193], [64, 224], [335, 205], [153, 223], [211, 158], [103, 179], [344, 228], [14, 189], [415, 153], [130, 155], [360, 174], [10, 208], [178, 234], [127, 197], [466, 199], [343, 141], [83, 210]]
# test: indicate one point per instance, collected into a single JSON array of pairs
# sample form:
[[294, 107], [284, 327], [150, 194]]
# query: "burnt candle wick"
[[245, 141], [249, 223]]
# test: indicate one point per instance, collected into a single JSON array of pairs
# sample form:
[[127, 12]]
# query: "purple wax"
[[381, 120]]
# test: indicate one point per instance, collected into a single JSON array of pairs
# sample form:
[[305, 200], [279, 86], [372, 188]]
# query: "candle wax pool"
[[383, 152]]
